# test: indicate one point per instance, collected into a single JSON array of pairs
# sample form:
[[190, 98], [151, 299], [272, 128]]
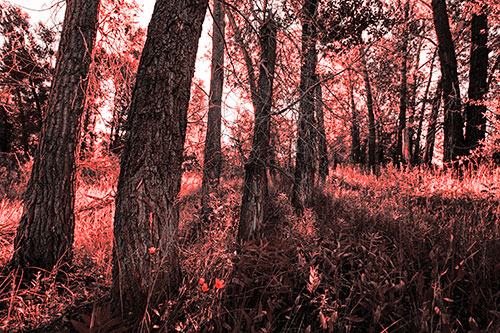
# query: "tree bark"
[[475, 129], [372, 139], [453, 120], [403, 90], [145, 251], [321, 134], [255, 186], [431, 128], [45, 233], [305, 169], [212, 153]]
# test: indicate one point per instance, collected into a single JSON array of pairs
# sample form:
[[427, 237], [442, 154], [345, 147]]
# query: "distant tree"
[[432, 125], [305, 169], [453, 121], [372, 136], [25, 72], [145, 253], [45, 234], [322, 149], [212, 154]]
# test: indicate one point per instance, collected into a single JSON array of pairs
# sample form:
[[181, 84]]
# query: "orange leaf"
[[204, 287]]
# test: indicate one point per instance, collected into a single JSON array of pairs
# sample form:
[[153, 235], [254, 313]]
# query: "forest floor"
[[407, 251]]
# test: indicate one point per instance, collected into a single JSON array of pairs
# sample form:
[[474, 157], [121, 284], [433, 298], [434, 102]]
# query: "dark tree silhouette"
[[45, 234], [453, 121], [145, 254]]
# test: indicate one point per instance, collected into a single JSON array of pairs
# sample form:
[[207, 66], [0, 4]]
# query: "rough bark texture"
[[321, 135], [403, 90], [255, 185], [145, 251], [372, 136], [45, 233], [212, 153], [305, 169], [478, 87], [431, 128], [453, 120]]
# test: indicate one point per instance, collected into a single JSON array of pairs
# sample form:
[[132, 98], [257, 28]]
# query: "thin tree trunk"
[[416, 152], [22, 120], [305, 159], [255, 186], [403, 90], [45, 233], [475, 130], [371, 120], [431, 128], [355, 139], [5, 132], [212, 154], [453, 121], [322, 145], [145, 252]]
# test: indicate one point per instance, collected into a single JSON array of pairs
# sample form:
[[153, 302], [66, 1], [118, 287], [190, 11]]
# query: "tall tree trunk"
[[431, 128], [212, 154], [45, 233], [372, 139], [478, 87], [453, 120], [255, 185], [355, 139], [321, 135], [403, 90], [23, 121], [305, 159], [145, 251], [416, 158]]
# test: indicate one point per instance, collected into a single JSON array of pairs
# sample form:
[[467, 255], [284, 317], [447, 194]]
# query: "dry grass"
[[404, 251]]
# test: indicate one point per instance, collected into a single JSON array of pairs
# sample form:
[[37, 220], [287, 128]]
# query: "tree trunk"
[[431, 128], [305, 160], [416, 158], [475, 130], [5, 132], [403, 90], [321, 135], [145, 252], [212, 153], [371, 120], [45, 233], [453, 121], [255, 186], [355, 139]]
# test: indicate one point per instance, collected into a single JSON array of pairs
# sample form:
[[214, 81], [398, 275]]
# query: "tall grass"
[[407, 250]]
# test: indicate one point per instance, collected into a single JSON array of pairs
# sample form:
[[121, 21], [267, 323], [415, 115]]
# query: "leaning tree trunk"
[[453, 121], [475, 111], [45, 233], [372, 136], [212, 153], [305, 169], [431, 128], [321, 135], [255, 186], [145, 251]]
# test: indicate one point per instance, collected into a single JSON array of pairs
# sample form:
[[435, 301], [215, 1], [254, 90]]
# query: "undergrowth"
[[405, 251]]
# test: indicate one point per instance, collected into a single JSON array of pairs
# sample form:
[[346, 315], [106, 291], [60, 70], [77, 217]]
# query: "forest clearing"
[[250, 166]]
